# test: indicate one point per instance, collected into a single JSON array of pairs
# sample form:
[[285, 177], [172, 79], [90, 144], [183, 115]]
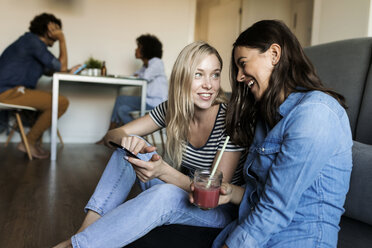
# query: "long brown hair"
[[293, 73]]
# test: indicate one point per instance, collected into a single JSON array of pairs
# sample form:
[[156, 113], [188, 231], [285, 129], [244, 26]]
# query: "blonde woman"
[[195, 119]]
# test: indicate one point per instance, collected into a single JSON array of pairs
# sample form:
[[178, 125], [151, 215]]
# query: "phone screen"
[[129, 153], [80, 69]]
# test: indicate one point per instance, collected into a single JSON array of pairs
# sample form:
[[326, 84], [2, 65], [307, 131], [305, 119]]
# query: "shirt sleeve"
[[45, 57], [305, 150], [140, 72], [157, 114], [154, 69]]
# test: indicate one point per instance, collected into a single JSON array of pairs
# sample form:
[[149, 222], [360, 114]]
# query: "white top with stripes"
[[202, 158]]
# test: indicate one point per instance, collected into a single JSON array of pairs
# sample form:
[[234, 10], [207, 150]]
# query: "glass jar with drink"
[[207, 189]]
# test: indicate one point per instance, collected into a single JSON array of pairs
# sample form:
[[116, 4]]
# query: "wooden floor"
[[41, 202]]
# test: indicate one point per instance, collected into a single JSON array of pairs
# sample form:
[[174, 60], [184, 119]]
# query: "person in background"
[[299, 163], [22, 64], [149, 50], [195, 119]]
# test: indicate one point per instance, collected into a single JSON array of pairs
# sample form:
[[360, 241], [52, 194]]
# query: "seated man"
[[23, 63]]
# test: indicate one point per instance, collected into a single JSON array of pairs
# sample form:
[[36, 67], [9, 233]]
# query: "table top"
[[111, 79]]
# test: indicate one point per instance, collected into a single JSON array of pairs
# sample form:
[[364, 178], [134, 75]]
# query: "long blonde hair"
[[180, 109]]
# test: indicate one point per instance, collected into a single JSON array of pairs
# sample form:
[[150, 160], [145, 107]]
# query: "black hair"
[[39, 25], [293, 73], [150, 46]]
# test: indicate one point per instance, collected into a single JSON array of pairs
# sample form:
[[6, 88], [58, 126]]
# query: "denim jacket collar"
[[290, 102]]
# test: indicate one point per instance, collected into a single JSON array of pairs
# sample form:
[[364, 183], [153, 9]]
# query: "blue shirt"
[[25, 61], [157, 83], [297, 176]]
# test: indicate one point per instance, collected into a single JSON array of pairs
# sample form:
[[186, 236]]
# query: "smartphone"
[[129, 153], [80, 69]]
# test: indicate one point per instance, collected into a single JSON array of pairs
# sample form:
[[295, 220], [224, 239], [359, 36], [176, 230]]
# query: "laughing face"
[[206, 82], [254, 68]]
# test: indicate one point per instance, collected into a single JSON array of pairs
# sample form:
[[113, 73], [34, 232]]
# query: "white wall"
[[106, 30], [219, 23], [254, 11], [340, 19]]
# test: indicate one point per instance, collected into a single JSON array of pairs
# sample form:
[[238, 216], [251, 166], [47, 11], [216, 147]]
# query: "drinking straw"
[[218, 161]]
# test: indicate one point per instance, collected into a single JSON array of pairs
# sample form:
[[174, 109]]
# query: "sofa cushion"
[[363, 130], [358, 203], [344, 66], [354, 234]]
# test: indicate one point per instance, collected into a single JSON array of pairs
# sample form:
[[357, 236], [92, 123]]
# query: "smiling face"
[[206, 82], [254, 68]]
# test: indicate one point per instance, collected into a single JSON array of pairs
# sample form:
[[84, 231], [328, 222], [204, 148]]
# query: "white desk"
[[120, 81]]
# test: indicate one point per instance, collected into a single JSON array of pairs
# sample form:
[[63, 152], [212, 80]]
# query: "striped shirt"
[[202, 157]]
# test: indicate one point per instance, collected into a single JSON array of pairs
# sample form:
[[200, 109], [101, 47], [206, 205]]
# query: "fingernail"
[[125, 157]]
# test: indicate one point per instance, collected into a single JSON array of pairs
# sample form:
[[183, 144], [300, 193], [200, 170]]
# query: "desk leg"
[[53, 140], [143, 98]]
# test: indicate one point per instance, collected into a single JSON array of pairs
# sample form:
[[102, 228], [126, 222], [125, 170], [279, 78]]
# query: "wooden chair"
[[16, 109], [135, 115]]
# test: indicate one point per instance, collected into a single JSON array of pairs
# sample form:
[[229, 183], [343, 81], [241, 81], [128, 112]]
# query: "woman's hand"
[[136, 145], [147, 170], [191, 192], [226, 191]]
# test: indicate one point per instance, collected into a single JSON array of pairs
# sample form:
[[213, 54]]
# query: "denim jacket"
[[297, 176]]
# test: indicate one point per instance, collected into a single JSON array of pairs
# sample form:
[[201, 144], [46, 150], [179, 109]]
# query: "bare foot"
[[35, 153], [41, 150], [64, 244]]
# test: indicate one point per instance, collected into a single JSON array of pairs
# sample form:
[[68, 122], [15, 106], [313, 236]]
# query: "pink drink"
[[206, 198], [207, 189]]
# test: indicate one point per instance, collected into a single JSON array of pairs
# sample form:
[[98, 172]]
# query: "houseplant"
[[93, 66]]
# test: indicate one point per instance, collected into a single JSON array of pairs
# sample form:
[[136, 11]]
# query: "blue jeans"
[[159, 204], [124, 105]]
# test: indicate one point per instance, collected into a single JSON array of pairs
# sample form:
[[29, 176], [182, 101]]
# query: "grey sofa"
[[345, 66]]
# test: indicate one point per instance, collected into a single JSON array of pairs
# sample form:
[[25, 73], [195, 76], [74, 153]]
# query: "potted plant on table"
[[93, 66]]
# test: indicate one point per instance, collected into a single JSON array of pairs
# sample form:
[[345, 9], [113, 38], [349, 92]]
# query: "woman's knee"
[[120, 100], [124, 109], [168, 192]]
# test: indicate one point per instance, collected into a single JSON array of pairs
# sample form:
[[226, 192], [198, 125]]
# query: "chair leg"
[[153, 139], [162, 141], [24, 138], [11, 134], [60, 138]]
